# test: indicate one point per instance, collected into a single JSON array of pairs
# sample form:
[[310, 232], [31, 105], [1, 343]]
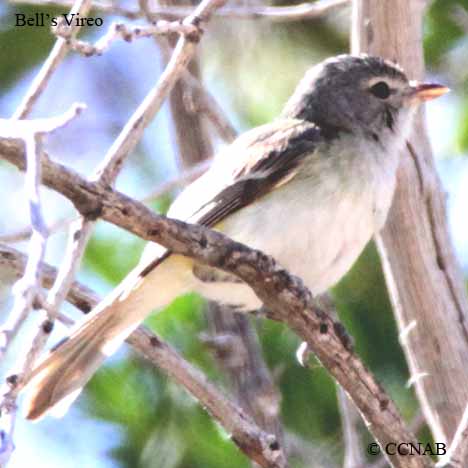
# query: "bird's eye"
[[380, 90]]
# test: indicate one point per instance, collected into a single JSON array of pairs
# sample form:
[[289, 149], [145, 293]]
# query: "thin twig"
[[24, 234], [299, 12], [31, 132], [11, 128], [127, 33], [201, 101], [134, 128], [179, 180], [256, 443], [350, 420], [80, 232], [56, 56], [20, 235], [14, 262], [27, 289]]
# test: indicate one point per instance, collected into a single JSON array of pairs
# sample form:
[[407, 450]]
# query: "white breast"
[[316, 225]]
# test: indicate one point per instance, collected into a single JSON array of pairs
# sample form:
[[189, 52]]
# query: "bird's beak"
[[421, 92]]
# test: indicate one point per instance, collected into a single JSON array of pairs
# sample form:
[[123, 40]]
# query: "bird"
[[310, 189]]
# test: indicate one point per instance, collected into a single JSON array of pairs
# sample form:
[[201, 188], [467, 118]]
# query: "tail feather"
[[61, 375]]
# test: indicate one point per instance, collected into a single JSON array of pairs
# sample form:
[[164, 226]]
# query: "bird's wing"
[[253, 165], [256, 163]]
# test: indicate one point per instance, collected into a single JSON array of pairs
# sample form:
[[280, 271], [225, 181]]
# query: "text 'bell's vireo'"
[[309, 189]]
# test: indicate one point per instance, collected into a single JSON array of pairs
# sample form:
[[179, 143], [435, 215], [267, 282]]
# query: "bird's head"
[[365, 95]]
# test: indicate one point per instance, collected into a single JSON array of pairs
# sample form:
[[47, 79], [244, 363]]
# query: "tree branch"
[[178, 62], [281, 293], [26, 289]]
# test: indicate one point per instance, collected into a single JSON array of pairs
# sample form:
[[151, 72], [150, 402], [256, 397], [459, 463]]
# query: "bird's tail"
[[60, 377]]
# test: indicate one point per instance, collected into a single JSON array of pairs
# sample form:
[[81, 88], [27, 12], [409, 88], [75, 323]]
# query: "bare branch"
[[299, 12], [11, 128], [181, 179], [27, 289], [26, 232], [284, 295], [13, 261], [416, 424], [56, 56], [127, 33]]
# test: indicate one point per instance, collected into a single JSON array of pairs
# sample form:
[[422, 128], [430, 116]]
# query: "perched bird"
[[309, 189]]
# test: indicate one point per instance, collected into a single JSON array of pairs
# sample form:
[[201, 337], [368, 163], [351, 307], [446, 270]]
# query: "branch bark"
[[423, 277]]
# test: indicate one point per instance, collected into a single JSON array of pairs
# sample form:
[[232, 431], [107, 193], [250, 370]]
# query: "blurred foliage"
[[252, 67], [446, 50], [444, 28]]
